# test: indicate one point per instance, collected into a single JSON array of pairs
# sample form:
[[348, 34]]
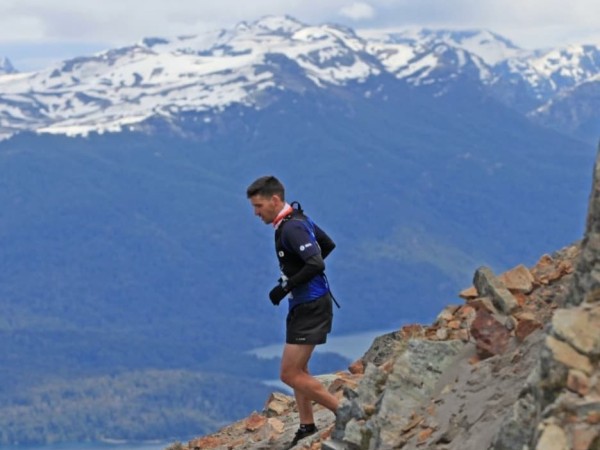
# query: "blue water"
[[350, 346]]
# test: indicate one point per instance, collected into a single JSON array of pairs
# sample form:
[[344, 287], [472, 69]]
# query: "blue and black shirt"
[[301, 247]]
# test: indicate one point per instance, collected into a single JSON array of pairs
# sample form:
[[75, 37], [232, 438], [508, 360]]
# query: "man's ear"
[[276, 200]]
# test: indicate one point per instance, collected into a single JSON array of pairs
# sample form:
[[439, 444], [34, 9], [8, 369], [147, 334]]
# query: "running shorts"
[[309, 323]]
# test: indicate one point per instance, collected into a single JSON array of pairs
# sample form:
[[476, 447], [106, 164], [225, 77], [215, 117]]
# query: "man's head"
[[267, 196]]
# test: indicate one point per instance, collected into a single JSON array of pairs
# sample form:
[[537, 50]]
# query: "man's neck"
[[285, 211]]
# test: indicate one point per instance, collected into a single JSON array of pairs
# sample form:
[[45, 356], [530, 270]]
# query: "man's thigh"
[[296, 356]]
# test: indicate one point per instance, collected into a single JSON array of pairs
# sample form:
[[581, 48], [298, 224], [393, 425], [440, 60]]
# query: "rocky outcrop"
[[515, 366], [448, 385], [566, 383], [455, 383]]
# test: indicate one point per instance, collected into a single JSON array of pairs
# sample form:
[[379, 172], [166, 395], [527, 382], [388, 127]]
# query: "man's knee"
[[288, 376]]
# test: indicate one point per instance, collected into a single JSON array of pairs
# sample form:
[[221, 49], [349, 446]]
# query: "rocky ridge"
[[514, 366]]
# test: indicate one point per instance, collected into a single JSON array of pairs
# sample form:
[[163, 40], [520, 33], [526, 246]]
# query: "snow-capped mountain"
[[252, 62], [490, 47], [6, 66], [576, 110], [163, 77]]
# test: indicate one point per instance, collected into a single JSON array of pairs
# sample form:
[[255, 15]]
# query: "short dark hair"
[[266, 186]]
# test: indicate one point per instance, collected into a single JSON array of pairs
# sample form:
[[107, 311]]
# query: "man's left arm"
[[325, 242]]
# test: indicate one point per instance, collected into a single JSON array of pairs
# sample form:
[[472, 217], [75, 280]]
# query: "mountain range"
[[128, 246], [159, 77]]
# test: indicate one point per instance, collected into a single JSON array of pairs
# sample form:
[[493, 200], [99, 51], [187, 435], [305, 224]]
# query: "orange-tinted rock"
[[207, 442], [276, 425], [469, 293], [518, 279], [357, 367], [423, 435], [578, 382], [277, 404], [466, 312], [525, 327], [255, 421], [448, 313], [462, 334], [411, 331], [388, 366], [483, 303], [583, 437], [491, 337], [593, 417], [454, 324], [548, 270]]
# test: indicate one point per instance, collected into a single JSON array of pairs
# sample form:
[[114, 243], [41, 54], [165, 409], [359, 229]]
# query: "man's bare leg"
[[294, 373], [305, 410]]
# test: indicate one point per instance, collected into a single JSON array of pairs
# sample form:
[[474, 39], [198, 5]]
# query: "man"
[[301, 247]]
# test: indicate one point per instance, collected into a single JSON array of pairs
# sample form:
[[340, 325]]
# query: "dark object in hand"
[[277, 294]]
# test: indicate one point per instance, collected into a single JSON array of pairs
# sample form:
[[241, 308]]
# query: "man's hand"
[[277, 294]]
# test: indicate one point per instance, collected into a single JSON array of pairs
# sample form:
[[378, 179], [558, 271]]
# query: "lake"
[[351, 346]]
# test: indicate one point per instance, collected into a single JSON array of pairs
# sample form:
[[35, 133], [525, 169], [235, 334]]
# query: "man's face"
[[266, 208]]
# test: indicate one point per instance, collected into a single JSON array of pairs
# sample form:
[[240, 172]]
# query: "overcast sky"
[[35, 33]]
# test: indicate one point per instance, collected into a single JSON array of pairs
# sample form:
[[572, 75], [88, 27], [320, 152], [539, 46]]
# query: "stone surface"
[[382, 348], [488, 285], [525, 326], [518, 279], [425, 387], [578, 382], [579, 327], [357, 367], [491, 336], [469, 293], [278, 403], [568, 356], [553, 438]]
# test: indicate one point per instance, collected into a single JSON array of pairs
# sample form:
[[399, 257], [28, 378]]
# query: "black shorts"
[[309, 323]]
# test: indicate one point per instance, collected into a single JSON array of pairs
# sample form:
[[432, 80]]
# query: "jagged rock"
[[553, 438], [580, 328], [447, 313], [518, 279], [255, 421], [484, 303], [569, 365], [491, 336], [548, 270], [578, 382], [564, 354], [332, 444], [382, 348], [517, 427], [586, 280], [586, 439], [442, 334], [415, 374], [423, 387], [488, 285], [469, 293], [277, 404], [357, 367], [526, 324]]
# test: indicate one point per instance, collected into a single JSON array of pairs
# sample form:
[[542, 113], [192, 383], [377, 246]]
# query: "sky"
[[37, 33]]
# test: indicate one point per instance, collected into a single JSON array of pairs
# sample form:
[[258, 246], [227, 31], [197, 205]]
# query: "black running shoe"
[[303, 431]]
